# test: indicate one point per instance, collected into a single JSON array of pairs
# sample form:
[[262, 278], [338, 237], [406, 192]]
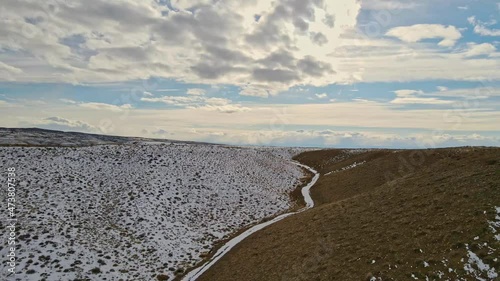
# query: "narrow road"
[[197, 272]]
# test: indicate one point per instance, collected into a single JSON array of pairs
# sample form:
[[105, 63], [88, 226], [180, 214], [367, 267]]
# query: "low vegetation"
[[400, 215], [104, 211]]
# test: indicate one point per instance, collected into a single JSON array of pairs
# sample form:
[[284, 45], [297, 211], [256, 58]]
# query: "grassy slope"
[[386, 218]]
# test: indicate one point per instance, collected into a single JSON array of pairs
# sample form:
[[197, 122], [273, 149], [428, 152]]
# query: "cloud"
[[318, 38], [200, 102], [407, 93], [344, 139], [159, 132], [418, 32], [101, 106], [321, 96], [463, 8], [388, 4], [63, 124], [413, 97], [388, 61], [228, 108], [68, 101], [479, 49], [217, 101], [254, 91], [415, 100], [176, 100], [195, 92], [442, 88], [105, 106], [274, 75], [483, 92], [220, 43], [167, 90], [248, 121], [189, 4], [481, 28], [10, 69], [293, 43], [313, 67], [147, 94]]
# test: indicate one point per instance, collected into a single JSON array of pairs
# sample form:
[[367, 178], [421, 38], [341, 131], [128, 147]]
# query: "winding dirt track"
[[197, 272]]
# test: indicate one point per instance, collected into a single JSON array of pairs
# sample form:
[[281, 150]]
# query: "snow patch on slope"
[[135, 211], [476, 267], [353, 165]]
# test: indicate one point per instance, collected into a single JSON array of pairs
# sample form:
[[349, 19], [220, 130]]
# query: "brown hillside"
[[400, 215]]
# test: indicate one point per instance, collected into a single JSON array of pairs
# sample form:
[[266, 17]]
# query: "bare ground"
[[400, 215]]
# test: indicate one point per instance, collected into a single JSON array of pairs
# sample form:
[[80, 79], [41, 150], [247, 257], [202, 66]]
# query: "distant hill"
[[43, 137]]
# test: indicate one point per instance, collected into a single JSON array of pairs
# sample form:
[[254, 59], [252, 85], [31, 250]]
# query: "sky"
[[343, 73]]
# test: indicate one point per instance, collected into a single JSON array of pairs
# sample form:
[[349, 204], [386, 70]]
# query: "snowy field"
[[134, 211]]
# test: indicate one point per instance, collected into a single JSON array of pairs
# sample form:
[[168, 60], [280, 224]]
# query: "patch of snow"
[[495, 225], [478, 267], [117, 208], [353, 165]]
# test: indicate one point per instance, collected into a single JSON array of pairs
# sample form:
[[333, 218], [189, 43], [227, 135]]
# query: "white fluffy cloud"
[[254, 91], [105, 106], [9, 68], [263, 47], [176, 100], [226, 108], [479, 49], [478, 93], [418, 32], [99, 105], [267, 45], [482, 28], [414, 97], [195, 92], [385, 60], [200, 102]]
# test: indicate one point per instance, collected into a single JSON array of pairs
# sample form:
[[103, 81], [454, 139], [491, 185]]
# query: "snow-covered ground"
[[134, 211]]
